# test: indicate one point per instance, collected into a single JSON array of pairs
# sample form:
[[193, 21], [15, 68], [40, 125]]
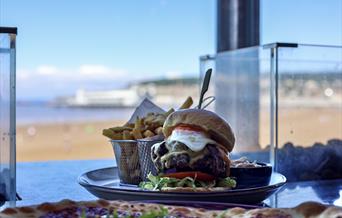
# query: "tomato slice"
[[189, 128], [193, 174]]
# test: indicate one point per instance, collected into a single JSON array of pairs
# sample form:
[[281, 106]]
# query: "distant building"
[[304, 89], [164, 92]]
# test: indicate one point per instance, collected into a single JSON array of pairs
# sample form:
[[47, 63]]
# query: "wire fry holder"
[[127, 161], [145, 160]]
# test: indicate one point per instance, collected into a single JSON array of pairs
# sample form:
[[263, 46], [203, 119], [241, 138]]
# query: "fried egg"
[[194, 140]]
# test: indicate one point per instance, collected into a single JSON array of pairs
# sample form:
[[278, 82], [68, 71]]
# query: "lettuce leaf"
[[156, 183], [226, 182]]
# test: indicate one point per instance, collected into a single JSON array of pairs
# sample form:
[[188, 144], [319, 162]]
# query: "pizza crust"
[[305, 210], [309, 209], [335, 212]]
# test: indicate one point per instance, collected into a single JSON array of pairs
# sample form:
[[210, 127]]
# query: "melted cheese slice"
[[195, 141]]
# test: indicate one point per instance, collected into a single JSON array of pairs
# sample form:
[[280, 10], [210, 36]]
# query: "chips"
[[144, 127], [187, 103]]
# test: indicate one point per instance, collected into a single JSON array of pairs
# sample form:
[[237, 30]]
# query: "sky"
[[98, 45]]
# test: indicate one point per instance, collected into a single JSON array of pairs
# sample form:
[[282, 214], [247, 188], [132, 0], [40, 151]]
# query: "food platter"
[[104, 183], [190, 159]]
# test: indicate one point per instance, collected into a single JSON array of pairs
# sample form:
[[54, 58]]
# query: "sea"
[[46, 114]]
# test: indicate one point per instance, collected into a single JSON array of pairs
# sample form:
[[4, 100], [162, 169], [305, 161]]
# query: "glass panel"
[[241, 85], [297, 109], [310, 112], [7, 122]]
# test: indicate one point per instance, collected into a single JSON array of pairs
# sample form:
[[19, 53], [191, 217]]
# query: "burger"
[[194, 155]]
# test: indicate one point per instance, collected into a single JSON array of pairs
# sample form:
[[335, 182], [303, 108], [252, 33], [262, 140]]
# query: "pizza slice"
[[119, 209]]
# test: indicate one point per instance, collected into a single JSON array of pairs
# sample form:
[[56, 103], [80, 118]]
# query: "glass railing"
[[284, 102], [7, 114]]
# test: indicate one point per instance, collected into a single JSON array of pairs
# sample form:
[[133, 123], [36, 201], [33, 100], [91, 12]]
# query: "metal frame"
[[13, 116], [274, 48], [9, 30]]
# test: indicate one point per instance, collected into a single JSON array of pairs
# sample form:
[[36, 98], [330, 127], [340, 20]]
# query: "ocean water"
[[29, 114]]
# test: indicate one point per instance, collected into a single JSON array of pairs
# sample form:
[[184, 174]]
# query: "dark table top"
[[52, 181]]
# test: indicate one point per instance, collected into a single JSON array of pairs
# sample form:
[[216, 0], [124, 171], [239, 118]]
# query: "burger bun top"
[[214, 125]]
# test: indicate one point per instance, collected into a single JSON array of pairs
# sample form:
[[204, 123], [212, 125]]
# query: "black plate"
[[104, 183]]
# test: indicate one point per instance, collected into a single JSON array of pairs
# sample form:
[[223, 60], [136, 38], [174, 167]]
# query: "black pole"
[[237, 24], [237, 96]]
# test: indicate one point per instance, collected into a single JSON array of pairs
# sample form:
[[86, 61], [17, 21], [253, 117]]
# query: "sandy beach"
[[67, 141], [303, 126], [84, 140]]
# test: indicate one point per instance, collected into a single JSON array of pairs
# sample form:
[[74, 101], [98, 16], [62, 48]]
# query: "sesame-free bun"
[[217, 128]]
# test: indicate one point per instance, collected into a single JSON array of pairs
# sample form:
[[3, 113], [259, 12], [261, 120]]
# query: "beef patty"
[[179, 158]]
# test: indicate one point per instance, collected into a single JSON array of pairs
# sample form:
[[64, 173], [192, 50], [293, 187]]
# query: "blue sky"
[[64, 45]]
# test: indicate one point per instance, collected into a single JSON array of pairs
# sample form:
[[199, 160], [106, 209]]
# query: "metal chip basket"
[[145, 160], [127, 160]]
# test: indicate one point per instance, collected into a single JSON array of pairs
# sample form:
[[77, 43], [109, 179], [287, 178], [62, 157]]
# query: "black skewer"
[[205, 87]]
